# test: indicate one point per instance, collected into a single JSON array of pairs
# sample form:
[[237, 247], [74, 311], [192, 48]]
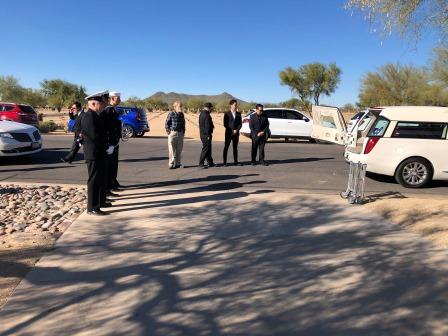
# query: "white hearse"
[[407, 142]]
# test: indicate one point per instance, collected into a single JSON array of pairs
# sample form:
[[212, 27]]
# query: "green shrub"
[[48, 126]]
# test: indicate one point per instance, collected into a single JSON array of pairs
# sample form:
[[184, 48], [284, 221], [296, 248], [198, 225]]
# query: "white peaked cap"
[[114, 94], [97, 94]]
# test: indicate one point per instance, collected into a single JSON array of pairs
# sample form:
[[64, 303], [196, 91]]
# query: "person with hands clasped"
[[175, 128], [259, 133]]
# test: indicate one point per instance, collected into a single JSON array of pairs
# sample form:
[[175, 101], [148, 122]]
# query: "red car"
[[19, 113]]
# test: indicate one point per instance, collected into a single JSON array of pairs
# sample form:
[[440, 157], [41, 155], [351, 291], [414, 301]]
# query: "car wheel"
[[127, 132], [414, 173], [139, 134], [312, 140]]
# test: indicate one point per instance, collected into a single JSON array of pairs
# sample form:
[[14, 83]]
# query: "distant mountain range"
[[173, 96]]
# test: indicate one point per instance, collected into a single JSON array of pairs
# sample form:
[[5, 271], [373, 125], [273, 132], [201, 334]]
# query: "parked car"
[[19, 113], [283, 123], [406, 142], [19, 139], [134, 121]]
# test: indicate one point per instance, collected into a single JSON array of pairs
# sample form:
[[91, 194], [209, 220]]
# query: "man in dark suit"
[[259, 131], [113, 130], [233, 123], [76, 113], [206, 132], [95, 152]]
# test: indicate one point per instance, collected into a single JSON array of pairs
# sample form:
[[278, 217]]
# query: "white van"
[[407, 142]]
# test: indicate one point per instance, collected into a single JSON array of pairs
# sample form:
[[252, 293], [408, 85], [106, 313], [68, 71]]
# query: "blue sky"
[[198, 47]]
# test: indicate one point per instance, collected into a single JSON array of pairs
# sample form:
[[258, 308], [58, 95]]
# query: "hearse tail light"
[[371, 144]]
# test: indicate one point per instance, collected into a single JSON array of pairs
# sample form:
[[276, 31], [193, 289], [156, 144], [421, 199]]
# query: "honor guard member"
[[95, 153], [206, 131], [113, 128], [232, 123], [259, 131]]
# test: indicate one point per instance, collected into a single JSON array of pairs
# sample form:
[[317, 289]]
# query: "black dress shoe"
[[253, 163], [179, 166], [238, 164], [224, 164], [202, 166], [211, 165], [96, 213], [264, 163], [106, 205], [117, 185], [110, 193]]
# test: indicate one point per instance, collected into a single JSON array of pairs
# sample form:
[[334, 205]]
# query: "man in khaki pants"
[[175, 128]]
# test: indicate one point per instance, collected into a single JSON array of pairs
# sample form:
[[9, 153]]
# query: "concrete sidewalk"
[[228, 259]]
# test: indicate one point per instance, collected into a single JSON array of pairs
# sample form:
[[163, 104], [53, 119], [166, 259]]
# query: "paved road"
[[298, 166]]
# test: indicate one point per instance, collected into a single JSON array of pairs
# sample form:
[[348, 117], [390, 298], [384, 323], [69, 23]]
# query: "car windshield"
[[27, 109]]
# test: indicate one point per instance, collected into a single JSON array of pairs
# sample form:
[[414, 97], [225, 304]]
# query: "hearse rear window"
[[420, 130], [379, 128]]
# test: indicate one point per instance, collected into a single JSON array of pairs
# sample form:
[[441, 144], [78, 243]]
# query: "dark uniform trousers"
[[258, 144], [206, 153], [230, 137], [75, 149], [113, 168], [96, 194]]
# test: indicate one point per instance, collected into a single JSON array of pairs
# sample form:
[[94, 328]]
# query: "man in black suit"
[[259, 131], [76, 112], [95, 152], [233, 123], [206, 132]]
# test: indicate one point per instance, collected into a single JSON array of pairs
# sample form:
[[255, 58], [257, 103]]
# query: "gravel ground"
[[38, 208], [31, 219]]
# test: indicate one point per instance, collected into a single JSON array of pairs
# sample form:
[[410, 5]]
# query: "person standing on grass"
[[206, 132], [175, 128], [259, 131], [232, 123]]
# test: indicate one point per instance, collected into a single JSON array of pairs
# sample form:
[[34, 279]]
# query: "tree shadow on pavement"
[[240, 265], [210, 178]]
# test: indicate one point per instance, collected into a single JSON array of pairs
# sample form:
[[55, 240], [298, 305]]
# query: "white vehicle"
[[19, 139], [284, 123], [407, 142], [354, 120]]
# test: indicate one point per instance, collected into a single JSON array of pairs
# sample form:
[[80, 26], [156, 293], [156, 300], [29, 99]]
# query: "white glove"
[[110, 150]]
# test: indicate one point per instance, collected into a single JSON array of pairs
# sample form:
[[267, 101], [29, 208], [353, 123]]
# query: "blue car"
[[134, 121]]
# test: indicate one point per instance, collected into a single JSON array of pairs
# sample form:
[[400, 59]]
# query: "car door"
[[277, 123], [298, 125], [328, 125]]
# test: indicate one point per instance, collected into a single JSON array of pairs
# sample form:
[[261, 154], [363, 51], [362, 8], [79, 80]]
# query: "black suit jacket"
[[231, 124], [205, 124], [77, 125], [112, 124], [94, 136], [258, 124]]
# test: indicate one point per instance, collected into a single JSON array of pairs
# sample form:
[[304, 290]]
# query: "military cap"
[[99, 96], [114, 94], [208, 105]]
